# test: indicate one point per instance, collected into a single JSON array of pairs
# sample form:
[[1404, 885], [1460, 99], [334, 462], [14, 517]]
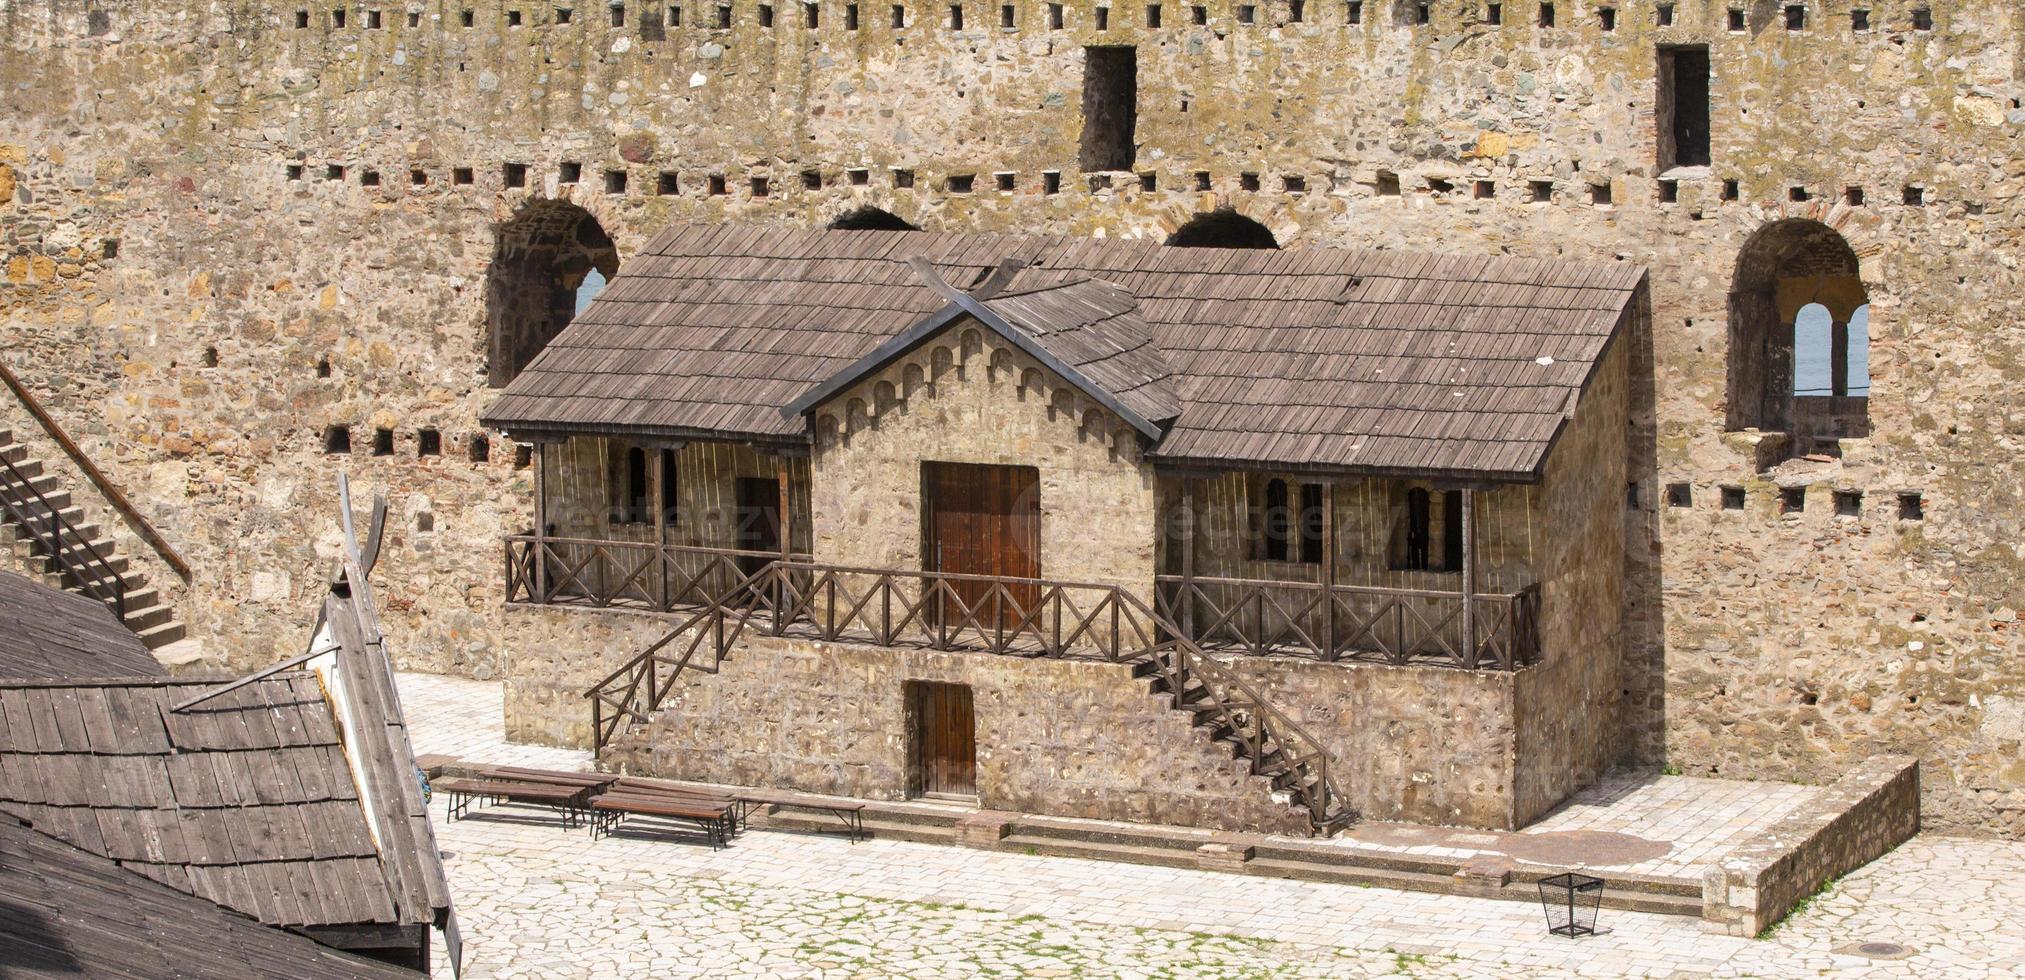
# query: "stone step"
[[156, 637], [140, 618], [1099, 850], [884, 824]]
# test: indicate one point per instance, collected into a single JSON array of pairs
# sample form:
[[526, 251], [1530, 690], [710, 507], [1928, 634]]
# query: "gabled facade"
[[1089, 528]]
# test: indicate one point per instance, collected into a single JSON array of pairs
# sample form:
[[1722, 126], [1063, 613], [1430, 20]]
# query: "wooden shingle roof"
[[1318, 358], [49, 633], [245, 800], [65, 912]]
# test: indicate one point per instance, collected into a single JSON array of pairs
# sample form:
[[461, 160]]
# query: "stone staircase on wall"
[[52, 514]]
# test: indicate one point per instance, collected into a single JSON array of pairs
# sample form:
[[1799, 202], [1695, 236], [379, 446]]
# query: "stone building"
[[249, 244]]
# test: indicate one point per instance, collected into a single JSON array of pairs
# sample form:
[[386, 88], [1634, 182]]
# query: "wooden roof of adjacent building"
[[46, 632], [1317, 358], [70, 913]]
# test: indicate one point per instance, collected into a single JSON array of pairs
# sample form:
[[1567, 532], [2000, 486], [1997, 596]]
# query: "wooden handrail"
[[105, 486]]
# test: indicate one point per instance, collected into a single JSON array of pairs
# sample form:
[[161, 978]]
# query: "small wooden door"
[[758, 521], [983, 520], [945, 739]]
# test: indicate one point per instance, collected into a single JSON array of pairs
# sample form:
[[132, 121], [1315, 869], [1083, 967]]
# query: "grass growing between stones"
[[1799, 907]]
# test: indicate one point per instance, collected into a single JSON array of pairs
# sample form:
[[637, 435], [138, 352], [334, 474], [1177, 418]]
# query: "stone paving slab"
[[536, 900]]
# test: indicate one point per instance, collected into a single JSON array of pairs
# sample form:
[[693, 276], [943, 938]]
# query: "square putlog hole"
[[1792, 500], [1733, 498]]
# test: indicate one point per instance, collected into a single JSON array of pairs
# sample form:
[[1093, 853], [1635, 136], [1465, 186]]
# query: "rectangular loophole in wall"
[[724, 17], [1004, 181], [418, 178], [959, 183], [850, 17], [1663, 15], [1731, 190], [1198, 15], [1911, 506], [1796, 17], [383, 442], [1599, 195], [1542, 190], [294, 171], [428, 442], [761, 186], [1054, 16], [956, 17], [1051, 182], [668, 183], [1248, 182], [1792, 500], [513, 18], [1849, 503], [523, 456], [1486, 190], [337, 439], [1008, 16], [618, 15], [1682, 110], [859, 177], [1859, 20], [1669, 191], [1297, 11], [1152, 15], [569, 173], [1546, 15], [1736, 20], [514, 174], [717, 185], [1797, 194], [1202, 180], [903, 178], [337, 19], [1915, 195], [1294, 184], [1853, 196], [1733, 498], [463, 176], [479, 449], [563, 15], [301, 19], [812, 180], [1388, 184], [1494, 14], [812, 16], [766, 15], [615, 182], [334, 171], [1679, 495], [1110, 107], [1103, 18], [369, 178], [1922, 19], [1606, 18], [1149, 182], [468, 18], [1246, 13], [675, 15]]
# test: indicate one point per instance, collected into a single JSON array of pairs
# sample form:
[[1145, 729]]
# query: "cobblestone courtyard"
[[536, 900]]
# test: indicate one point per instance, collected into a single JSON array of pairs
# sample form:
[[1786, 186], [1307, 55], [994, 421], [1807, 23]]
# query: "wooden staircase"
[[1222, 705], [50, 538]]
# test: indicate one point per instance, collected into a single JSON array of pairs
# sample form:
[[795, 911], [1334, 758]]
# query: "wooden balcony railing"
[[1353, 622], [735, 592]]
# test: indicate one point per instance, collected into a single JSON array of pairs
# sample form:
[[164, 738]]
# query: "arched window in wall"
[[1223, 228], [1799, 335], [547, 261]]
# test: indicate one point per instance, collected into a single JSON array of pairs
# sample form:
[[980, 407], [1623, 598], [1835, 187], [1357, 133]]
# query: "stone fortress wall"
[[231, 228]]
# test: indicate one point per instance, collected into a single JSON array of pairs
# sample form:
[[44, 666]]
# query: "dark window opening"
[[1005, 181], [1008, 16], [523, 456], [899, 16], [1796, 17], [1543, 191], [630, 497], [1202, 180], [1664, 15], [1248, 181], [1110, 108], [1546, 15], [1051, 182], [1679, 495], [1915, 196], [1198, 16], [1911, 506], [1288, 535], [1149, 181], [1669, 191], [675, 16], [717, 185], [383, 442], [1599, 194], [1792, 500], [323, 367], [869, 218], [1849, 503], [1631, 495], [1797, 193], [1494, 14], [1922, 19], [513, 18], [569, 173], [724, 16], [1223, 228], [859, 177], [1417, 531], [1294, 184], [1152, 15], [479, 449], [468, 18], [1731, 190], [1246, 13], [369, 178], [1736, 21], [1606, 18], [1353, 12], [418, 178], [1733, 498], [1054, 16], [669, 182], [615, 182], [428, 442], [1859, 20], [812, 16], [334, 171], [562, 15], [1853, 195], [670, 487], [1486, 190], [761, 186], [337, 439], [337, 18], [425, 521], [514, 174], [812, 180], [301, 19], [294, 171], [1103, 18], [463, 176], [1452, 530], [959, 183], [956, 17], [903, 178], [1388, 184], [1683, 107], [766, 15]]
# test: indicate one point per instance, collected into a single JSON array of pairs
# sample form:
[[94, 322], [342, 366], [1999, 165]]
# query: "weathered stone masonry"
[[204, 176]]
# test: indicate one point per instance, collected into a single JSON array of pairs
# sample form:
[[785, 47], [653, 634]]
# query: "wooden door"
[[983, 520], [945, 739], [758, 521]]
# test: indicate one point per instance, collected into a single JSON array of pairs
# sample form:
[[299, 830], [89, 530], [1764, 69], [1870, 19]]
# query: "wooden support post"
[[1329, 570], [539, 591], [1469, 577], [1188, 519], [660, 496], [780, 610]]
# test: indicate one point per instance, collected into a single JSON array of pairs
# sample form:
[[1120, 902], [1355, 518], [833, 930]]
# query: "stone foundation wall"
[[1064, 738], [149, 215], [1851, 823]]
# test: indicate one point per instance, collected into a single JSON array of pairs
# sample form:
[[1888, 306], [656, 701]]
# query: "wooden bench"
[[566, 800], [712, 814], [851, 812]]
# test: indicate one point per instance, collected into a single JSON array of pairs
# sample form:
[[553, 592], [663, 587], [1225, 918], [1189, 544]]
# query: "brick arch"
[[541, 252]]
